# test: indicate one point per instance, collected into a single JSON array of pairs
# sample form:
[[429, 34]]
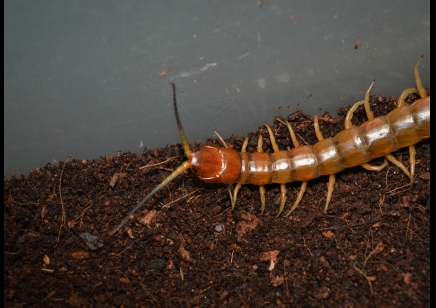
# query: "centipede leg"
[[401, 101], [221, 139], [299, 197], [332, 177], [282, 186], [261, 187], [303, 186], [370, 115], [238, 185], [418, 81]]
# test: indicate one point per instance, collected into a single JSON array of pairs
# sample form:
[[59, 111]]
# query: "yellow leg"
[[261, 187], [370, 116], [332, 177], [262, 198], [282, 186], [221, 139], [291, 132], [365, 102], [282, 198], [299, 197], [421, 90], [412, 161], [303, 184], [401, 100], [238, 186], [378, 168], [332, 181], [272, 138], [404, 95]]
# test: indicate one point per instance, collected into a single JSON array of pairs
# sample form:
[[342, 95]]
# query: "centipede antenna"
[[185, 143], [186, 165]]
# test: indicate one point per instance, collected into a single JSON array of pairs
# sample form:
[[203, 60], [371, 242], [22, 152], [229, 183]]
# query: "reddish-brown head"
[[213, 164]]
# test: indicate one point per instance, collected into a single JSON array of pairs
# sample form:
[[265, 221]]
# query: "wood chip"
[[124, 280], [80, 254], [185, 254], [114, 180]]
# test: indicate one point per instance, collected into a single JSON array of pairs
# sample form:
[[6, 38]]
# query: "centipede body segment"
[[356, 145]]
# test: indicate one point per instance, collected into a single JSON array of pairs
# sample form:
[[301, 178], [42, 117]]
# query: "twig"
[[304, 240], [83, 213], [163, 162], [181, 273], [393, 191], [408, 225], [123, 250], [184, 196], [64, 218], [302, 139], [284, 273]]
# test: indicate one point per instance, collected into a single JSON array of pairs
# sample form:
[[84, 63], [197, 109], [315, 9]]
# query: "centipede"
[[405, 126]]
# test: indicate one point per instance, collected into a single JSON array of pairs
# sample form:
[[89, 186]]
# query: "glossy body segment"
[[402, 127]]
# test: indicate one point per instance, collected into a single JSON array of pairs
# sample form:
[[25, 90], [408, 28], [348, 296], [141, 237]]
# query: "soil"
[[187, 248]]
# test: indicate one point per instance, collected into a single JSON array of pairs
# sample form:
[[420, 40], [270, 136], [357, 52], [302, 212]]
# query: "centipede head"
[[211, 164]]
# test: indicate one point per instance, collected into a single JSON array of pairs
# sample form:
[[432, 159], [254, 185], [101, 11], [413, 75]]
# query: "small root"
[[366, 277], [64, 218], [163, 162]]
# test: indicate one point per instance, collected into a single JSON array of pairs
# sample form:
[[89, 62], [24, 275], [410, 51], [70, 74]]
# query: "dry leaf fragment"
[[114, 180], [170, 264], [51, 294], [124, 280], [130, 233], [324, 261], [322, 293], [328, 234], [250, 222], [277, 280], [379, 247], [269, 255], [46, 260], [185, 254], [146, 219], [407, 278], [376, 225], [425, 176], [165, 71]]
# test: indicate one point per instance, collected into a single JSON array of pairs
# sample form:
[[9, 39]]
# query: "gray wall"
[[83, 77]]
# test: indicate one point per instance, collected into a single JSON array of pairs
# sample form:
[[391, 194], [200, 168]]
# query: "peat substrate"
[[187, 248]]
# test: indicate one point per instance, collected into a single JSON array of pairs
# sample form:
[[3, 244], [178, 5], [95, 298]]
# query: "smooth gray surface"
[[82, 77]]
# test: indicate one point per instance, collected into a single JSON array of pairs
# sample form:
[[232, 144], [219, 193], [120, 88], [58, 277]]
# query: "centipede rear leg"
[[401, 102], [370, 116]]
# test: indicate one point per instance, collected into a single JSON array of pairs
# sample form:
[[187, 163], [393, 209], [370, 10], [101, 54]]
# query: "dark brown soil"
[[187, 248]]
